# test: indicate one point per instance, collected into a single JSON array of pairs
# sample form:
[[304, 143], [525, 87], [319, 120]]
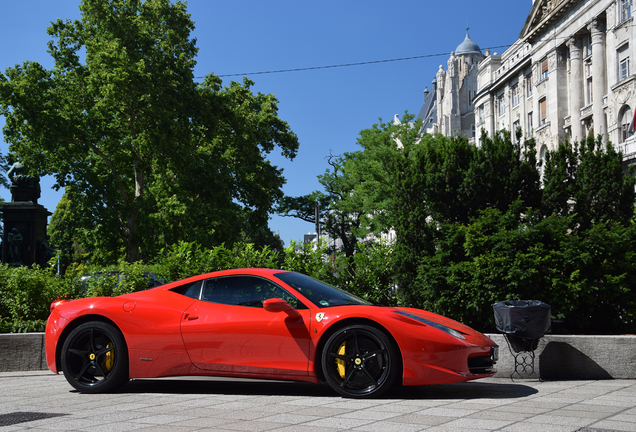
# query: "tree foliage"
[[152, 157], [478, 224], [492, 234]]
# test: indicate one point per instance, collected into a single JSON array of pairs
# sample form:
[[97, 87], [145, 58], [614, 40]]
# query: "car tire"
[[95, 358], [359, 361]]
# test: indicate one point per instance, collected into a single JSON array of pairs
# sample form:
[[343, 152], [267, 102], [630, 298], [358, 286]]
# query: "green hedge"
[[26, 294], [25, 298], [586, 277]]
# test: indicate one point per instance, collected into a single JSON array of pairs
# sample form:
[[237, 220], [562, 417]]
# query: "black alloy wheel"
[[95, 358], [359, 361]]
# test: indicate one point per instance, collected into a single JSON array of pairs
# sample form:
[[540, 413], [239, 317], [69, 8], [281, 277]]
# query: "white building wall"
[[585, 90]]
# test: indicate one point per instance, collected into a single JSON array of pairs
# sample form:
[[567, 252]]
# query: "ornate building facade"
[[448, 108], [567, 76]]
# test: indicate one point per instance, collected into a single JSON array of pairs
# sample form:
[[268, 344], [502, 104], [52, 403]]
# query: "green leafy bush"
[[25, 297], [586, 277], [371, 274], [186, 259], [312, 260]]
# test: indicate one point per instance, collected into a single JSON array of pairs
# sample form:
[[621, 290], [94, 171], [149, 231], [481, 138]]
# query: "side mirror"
[[280, 305]]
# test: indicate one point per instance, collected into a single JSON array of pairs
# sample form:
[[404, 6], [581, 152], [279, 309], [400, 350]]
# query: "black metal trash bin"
[[523, 323], [523, 319]]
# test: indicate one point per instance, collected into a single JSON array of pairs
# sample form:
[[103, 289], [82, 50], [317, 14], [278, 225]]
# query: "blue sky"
[[326, 108]]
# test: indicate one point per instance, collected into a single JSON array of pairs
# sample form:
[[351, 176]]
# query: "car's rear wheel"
[[359, 361], [95, 358]]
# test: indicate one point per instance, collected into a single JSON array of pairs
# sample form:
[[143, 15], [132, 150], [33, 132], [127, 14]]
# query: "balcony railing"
[[628, 148]]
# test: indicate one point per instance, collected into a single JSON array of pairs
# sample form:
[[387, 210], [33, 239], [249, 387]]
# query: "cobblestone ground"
[[40, 401]]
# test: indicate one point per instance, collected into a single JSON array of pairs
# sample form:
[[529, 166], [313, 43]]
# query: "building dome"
[[467, 47]]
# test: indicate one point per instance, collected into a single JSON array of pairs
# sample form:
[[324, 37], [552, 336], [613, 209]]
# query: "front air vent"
[[481, 364]]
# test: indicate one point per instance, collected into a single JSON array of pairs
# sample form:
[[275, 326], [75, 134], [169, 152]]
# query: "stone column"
[[598, 78], [535, 99], [491, 115], [576, 88], [508, 98], [553, 100], [441, 87], [523, 98]]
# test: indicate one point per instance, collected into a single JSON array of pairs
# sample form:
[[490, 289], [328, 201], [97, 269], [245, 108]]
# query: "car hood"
[[448, 322]]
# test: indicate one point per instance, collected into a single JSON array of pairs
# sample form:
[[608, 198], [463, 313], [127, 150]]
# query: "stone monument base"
[[24, 233]]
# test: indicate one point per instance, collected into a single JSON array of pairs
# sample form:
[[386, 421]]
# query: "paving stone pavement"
[[43, 401]]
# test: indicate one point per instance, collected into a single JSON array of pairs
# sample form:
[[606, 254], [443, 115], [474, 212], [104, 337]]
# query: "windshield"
[[319, 293]]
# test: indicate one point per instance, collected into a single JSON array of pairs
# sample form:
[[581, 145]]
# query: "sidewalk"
[[49, 403]]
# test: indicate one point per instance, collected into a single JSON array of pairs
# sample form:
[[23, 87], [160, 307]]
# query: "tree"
[[356, 194], [154, 157], [587, 180], [341, 210], [604, 191], [442, 181], [304, 207], [558, 180], [472, 229], [67, 229]]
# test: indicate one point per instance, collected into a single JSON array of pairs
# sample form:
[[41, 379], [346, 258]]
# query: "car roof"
[[230, 272]]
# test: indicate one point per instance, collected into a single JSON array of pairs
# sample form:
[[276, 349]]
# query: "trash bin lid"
[[529, 319]]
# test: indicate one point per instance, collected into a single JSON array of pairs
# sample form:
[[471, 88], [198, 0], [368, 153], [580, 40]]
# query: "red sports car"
[[259, 323]]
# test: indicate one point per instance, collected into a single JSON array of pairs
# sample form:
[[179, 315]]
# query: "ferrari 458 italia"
[[260, 323]]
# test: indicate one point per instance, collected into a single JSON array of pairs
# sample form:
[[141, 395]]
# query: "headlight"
[[438, 326]]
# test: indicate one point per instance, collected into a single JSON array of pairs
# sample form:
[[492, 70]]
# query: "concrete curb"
[[556, 357], [22, 351], [560, 357]]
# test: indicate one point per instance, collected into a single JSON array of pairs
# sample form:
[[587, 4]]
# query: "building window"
[[515, 95], [587, 44], [481, 114], [623, 62], [625, 120], [587, 67], [624, 68], [625, 9], [528, 85], [544, 69], [530, 122], [542, 112], [501, 101], [515, 126]]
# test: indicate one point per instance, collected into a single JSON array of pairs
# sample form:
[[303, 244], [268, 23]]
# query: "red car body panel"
[[169, 334], [218, 339]]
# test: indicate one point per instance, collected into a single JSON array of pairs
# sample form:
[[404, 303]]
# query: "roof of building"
[[467, 46], [428, 112]]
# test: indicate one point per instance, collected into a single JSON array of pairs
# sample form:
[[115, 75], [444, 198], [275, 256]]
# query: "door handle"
[[191, 317]]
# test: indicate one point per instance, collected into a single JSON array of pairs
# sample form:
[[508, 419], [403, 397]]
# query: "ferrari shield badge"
[[320, 316]]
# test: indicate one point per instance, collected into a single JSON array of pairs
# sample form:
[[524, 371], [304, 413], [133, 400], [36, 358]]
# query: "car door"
[[228, 330]]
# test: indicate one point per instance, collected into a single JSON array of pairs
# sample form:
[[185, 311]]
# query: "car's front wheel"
[[95, 358], [359, 361]]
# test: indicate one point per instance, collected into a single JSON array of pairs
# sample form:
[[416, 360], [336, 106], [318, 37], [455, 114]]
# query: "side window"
[[244, 291], [192, 290]]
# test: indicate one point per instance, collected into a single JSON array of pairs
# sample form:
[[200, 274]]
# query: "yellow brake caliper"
[[110, 357], [340, 364]]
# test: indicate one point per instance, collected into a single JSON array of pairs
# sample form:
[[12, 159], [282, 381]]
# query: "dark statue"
[[24, 241], [14, 238], [46, 251], [23, 187]]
